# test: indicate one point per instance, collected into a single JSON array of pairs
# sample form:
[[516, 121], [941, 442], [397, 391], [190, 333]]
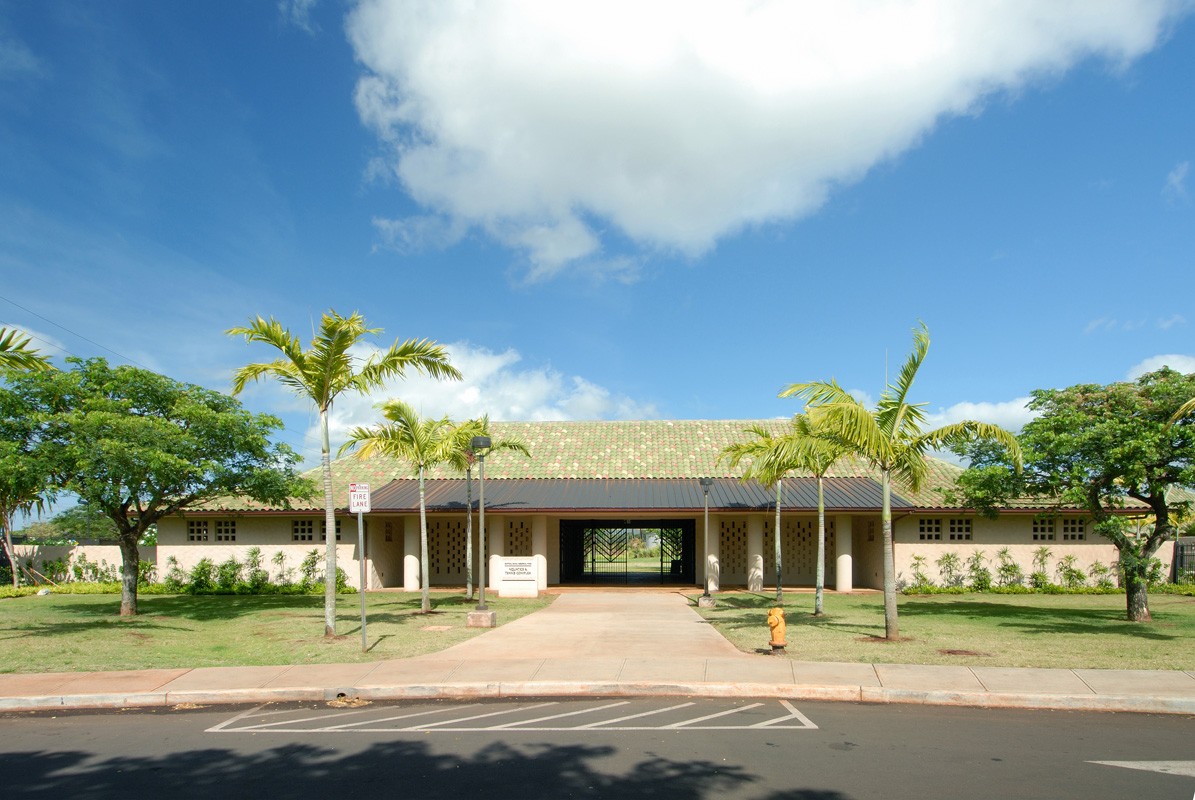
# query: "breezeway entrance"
[[628, 551]]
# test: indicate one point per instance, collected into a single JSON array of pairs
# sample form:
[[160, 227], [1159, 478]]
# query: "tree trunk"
[[819, 587], [1136, 592], [330, 525], [469, 533], [426, 604], [11, 553], [779, 571], [891, 627], [131, 558]]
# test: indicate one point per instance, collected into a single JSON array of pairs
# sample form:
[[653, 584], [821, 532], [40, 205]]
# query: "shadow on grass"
[[1038, 618]]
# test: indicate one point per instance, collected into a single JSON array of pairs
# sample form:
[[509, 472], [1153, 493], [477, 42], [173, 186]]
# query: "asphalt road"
[[691, 748]]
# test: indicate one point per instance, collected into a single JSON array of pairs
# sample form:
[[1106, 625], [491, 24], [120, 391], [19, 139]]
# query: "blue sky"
[[609, 210]]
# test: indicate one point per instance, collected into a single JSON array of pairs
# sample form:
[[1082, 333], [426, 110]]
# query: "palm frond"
[[16, 354], [1185, 410], [817, 392], [968, 431]]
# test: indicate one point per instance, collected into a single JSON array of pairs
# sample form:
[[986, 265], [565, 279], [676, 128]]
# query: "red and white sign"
[[359, 498]]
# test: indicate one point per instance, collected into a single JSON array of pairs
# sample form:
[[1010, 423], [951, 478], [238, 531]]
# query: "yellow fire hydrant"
[[776, 624]]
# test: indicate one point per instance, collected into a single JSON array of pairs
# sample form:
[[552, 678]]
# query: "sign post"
[[359, 504]]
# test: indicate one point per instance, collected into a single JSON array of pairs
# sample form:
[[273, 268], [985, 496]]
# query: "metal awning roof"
[[528, 495]]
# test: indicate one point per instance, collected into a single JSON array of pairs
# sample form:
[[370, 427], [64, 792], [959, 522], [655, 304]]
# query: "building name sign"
[[518, 569]]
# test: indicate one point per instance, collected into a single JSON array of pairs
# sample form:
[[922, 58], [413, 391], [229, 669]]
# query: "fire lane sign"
[[359, 498]]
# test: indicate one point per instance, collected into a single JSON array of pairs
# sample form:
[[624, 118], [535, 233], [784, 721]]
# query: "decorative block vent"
[[446, 548], [518, 538], [929, 529], [732, 547], [959, 529], [302, 530], [1074, 529], [1043, 530], [226, 530], [197, 530]]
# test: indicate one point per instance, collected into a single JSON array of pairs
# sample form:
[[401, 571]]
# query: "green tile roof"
[[643, 449]]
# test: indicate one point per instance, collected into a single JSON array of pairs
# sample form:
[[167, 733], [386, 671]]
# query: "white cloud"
[[1167, 324], [1176, 182], [1010, 415], [493, 384], [1181, 363], [678, 122], [17, 60], [298, 13]]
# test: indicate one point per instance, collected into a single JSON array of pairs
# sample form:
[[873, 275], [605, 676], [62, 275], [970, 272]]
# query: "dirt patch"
[[436, 628], [288, 614], [962, 653], [141, 637], [348, 702], [882, 640]]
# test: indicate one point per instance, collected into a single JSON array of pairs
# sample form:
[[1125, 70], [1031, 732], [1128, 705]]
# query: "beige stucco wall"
[[1012, 531], [271, 534], [102, 554]]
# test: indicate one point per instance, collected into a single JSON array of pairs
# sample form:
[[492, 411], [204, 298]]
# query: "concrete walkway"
[[604, 645]]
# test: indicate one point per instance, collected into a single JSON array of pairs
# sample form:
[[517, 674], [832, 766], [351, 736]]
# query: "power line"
[[72, 333], [301, 435]]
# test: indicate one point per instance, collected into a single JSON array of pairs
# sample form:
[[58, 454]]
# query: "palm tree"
[[814, 449], [320, 374], [15, 353], [768, 466], [462, 459], [891, 439], [1186, 409], [422, 441]]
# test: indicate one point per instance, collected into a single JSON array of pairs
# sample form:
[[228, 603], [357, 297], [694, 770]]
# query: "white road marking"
[[558, 716], [238, 717], [459, 724], [631, 716], [347, 725], [304, 719], [1185, 768], [476, 716], [710, 716], [793, 714]]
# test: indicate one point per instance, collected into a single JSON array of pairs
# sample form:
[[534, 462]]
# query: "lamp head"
[[481, 443]]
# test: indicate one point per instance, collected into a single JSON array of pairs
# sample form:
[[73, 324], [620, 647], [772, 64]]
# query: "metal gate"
[[603, 551], [1182, 566]]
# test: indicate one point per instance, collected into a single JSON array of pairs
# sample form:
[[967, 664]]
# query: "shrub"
[[980, 575], [1039, 580], [920, 579], [203, 577], [256, 578], [950, 569], [284, 572], [175, 580], [309, 569], [228, 574], [1101, 575], [1069, 575], [1008, 571]]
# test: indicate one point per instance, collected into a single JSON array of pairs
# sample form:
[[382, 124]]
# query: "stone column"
[[539, 549], [495, 540], [755, 553], [410, 553], [713, 544], [844, 564]]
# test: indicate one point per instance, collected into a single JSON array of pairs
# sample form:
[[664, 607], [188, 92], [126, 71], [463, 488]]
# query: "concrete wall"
[[106, 555], [1016, 532]]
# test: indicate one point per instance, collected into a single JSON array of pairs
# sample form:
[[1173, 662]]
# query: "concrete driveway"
[[602, 625]]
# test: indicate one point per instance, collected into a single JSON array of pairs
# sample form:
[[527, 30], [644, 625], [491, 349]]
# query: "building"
[[591, 491]]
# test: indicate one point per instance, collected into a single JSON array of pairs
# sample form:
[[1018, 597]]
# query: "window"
[[389, 532], [302, 530], [930, 528], [1043, 530], [226, 530], [959, 530], [323, 529], [197, 530], [1073, 529]]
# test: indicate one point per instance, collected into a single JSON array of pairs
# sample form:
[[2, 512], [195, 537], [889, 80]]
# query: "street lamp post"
[[481, 444], [706, 600]]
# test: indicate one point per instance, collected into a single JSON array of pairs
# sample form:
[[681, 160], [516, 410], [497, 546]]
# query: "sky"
[[614, 210]]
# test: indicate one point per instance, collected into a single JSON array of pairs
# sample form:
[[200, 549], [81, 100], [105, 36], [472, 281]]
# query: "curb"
[[857, 694]]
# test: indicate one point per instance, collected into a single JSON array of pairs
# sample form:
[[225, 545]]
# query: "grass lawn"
[[63, 633], [1079, 631]]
